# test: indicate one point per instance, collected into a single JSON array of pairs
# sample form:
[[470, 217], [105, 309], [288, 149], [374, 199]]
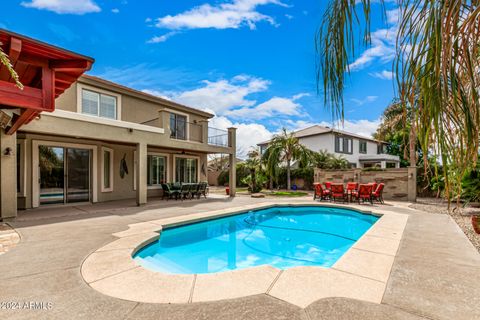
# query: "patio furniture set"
[[184, 191], [353, 191]]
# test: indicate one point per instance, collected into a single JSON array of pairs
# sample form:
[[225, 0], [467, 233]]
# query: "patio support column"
[[8, 175], [141, 160], [383, 164], [232, 161], [204, 124]]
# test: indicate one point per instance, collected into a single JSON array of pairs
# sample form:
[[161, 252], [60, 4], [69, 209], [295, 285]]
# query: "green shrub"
[[471, 185]]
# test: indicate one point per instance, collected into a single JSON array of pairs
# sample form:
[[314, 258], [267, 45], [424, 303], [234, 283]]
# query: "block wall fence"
[[400, 184]]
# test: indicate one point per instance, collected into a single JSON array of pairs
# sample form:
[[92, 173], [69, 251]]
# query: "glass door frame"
[[36, 168]]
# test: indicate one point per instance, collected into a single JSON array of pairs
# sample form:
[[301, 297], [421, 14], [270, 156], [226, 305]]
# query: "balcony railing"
[[217, 137]]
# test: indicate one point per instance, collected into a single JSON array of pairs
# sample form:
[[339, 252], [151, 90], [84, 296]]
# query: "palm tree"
[[436, 68], [285, 148], [4, 60], [253, 164]]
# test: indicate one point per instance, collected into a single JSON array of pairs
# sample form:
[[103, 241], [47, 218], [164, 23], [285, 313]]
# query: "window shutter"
[[336, 143]]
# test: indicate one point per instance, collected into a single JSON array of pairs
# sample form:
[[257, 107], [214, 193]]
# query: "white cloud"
[[367, 99], [384, 75], [115, 10], [162, 38], [382, 48], [64, 6], [234, 14], [248, 134], [223, 95], [273, 107]]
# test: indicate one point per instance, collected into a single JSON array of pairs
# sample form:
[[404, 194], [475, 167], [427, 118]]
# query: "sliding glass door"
[[64, 175], [186, 170]]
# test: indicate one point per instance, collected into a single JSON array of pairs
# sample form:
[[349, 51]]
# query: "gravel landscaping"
[[462, 215]]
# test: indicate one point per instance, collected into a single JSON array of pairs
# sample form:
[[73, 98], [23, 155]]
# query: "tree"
[[325, 160], [4, 60], [285, 148], [253, 164], [436, 68]]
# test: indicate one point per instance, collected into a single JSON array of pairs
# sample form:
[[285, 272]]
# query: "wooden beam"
[[33, 60], [65, 78], [26, 116], [69, 65], [29, 97], [13, 54], [48, 88]]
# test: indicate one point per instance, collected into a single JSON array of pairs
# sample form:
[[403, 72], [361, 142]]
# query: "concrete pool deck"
[[434, 274], [361, 273]]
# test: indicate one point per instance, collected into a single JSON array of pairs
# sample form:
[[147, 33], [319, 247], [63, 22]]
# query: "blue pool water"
[[282, 237]]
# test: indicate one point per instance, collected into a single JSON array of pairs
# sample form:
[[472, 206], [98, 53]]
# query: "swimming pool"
[[281, 236]]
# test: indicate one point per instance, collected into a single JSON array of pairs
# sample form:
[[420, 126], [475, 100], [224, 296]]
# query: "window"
[[343, 145], [99, 104], [186, 170], [178, 126], [363, 146], [157, 170], [380, 148], [107, 170]]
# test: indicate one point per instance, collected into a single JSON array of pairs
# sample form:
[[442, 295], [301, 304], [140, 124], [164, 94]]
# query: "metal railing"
[[217, 137]]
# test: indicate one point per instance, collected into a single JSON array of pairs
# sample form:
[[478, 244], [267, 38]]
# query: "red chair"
[[374, 186], [378, 193], [364, 193], [351, 187], [337, 191], [328, 185], [320, 193]]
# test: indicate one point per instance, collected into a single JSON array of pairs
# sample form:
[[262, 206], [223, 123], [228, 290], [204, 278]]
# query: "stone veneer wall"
[[400, 184]]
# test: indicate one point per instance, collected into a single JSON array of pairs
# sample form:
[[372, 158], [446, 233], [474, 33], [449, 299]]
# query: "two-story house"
[[100, 141], [360, 151]]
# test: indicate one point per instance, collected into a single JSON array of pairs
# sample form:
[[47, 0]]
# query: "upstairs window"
[[362, 146], [99, 104], [343, 145], [178, 126], [380, 148]]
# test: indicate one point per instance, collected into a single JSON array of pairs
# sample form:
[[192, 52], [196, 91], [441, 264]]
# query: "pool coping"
[[361, 273]]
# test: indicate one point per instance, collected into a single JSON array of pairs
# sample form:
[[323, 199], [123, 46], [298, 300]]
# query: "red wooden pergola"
[[45, 71]]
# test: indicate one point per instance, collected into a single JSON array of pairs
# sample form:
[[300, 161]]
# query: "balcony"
[[217, 137]]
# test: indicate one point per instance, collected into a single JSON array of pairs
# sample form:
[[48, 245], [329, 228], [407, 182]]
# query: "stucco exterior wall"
[[400, 184], [327, 142]]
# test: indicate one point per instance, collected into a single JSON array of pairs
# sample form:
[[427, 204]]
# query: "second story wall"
[[127, 106]]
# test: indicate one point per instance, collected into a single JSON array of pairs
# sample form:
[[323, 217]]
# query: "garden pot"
[[476, 223], [227, 191]]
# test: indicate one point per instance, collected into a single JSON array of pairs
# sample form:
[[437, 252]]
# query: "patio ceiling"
[[45, 71]]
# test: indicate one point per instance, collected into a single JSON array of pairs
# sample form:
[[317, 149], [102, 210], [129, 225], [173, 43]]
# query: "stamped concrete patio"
[[435, 274]]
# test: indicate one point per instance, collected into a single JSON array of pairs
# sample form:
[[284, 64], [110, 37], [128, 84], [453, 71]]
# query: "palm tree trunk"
[[271, 182], [254, 182], [288, 174], [412, 145]]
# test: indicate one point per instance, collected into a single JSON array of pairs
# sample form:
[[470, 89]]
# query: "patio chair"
[[320, 193], [337, 191], [374, 186], [169, 193], [184, 191], [364, 193], [378, 193], [351, 188], [194, 190], [202, 190], [328, 185]]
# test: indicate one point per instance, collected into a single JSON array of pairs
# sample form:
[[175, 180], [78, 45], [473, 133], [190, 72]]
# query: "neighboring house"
[[102, 141], [360, 151]]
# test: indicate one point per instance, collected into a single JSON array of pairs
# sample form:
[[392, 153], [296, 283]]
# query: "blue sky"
[[251, 62]]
